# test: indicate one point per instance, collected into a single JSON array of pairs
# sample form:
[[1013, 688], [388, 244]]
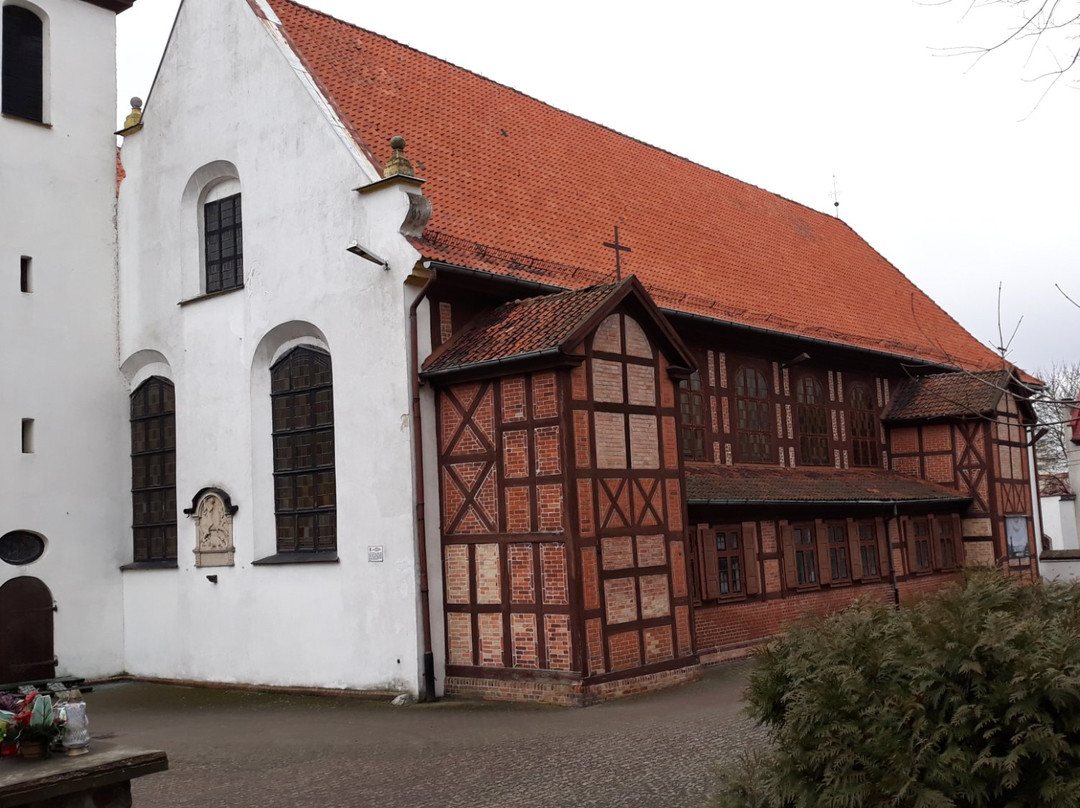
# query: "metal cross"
[[618, 248]]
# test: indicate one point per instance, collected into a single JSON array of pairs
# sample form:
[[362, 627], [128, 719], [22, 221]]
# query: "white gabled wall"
[[227, 94], [57, 202]]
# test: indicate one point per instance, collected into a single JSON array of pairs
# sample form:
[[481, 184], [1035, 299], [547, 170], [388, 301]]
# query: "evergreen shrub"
[[968, 699]]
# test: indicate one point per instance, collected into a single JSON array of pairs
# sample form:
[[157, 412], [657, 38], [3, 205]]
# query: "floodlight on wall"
[[803, 357], [367, 255]]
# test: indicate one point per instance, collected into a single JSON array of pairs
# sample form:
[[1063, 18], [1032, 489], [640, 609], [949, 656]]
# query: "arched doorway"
[[26, 631]]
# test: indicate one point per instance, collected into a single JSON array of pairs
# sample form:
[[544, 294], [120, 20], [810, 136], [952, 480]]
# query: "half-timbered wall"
[[502, 478], [628, 504]]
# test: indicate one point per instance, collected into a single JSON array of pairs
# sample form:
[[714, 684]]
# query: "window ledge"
[[209, 295], [324, 557], [13, 117], [150, 565]]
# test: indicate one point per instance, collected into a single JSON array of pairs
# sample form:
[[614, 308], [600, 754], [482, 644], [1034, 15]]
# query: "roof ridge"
[[824, 215]]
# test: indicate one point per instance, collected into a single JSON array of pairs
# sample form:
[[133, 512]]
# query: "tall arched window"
[[153, 470], [753, 424], [864, 427], [812, 417], [22, 83], [305, 490]]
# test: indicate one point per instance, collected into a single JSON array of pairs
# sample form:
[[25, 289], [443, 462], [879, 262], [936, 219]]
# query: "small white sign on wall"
[[375, 553]]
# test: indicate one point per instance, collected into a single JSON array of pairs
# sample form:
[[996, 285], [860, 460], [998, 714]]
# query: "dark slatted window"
[[153, 470], [812, 417], [753, 423], [864, 427], [946, 541], [729, 559], [920, 535], [868, 552], [21, 83], [839, 568], [805, 555], [224, 244], [692, 415], [305, 498]]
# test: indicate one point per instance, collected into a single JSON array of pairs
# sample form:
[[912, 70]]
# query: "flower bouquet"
[[35, 723]]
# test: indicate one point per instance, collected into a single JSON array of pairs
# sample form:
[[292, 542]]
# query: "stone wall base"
[[567, 692]]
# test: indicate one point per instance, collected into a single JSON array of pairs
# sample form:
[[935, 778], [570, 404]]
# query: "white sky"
[[941, 165]]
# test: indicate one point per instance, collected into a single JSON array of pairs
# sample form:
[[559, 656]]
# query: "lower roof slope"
[[521, 188]]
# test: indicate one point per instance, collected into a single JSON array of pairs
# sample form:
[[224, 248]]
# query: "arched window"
[[153, 470], [22, 83], [812, 417], [305, 490], [753, 423], [864, 427]]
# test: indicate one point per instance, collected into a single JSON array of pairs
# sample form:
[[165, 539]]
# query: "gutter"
[[820, 502], [418, 487]]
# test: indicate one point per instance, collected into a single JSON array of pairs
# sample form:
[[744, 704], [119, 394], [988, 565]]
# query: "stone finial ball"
[[136, 103], [397, 142]]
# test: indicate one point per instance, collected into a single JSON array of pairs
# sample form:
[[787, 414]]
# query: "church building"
[[391, 378]]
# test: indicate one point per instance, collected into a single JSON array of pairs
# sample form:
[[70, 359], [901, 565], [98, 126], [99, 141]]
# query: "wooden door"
[[26, 631]]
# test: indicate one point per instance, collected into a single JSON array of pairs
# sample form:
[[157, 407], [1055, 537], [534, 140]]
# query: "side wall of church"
[[63, 444], [232, 113]]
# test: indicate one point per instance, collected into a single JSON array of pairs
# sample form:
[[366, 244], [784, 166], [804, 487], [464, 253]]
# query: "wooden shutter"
[[710, 569], [750, 558], [854, 550], [884, 547], [908, 542], [791, 574], [821, 544], [958, 537]]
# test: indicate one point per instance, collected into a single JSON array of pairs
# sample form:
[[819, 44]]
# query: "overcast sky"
[[942, 165]]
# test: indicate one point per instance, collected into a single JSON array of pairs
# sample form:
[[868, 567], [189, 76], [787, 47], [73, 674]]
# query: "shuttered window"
[[753, 424], [153, 470], [22, 81], [224, 244], [864, 427], [868, 550], [305, 489], [692, 418], [839, 569], [812, 417]]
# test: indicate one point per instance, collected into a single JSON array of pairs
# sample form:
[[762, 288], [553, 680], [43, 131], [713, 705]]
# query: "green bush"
[[968, 699]]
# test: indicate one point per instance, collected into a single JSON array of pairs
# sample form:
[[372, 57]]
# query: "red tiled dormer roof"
[[949, 395], [521, 188]]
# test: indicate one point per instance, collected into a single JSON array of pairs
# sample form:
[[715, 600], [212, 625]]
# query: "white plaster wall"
[[1072, 453], [1064, 570], [1051, 518], [57, 202], [226, 92]]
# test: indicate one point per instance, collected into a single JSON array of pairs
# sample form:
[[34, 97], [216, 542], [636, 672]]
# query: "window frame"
[[920, 545], [692, 419], [166, 418], [15, 74], [212, 206], [805, 555], [323, 516], [863, 427], [743, 416], [838, 545], [805, 413], [868, 547]]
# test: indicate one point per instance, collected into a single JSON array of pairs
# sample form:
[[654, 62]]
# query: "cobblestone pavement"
[[243, 749]]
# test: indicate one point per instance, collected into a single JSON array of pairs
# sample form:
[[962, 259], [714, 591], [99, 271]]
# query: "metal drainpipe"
[[888, 544], [418, 485]]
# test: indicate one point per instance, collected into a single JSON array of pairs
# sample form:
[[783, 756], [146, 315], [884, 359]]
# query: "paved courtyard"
[[243, 749]]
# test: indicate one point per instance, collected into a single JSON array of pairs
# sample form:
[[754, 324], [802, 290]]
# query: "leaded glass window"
[[812, 417], [753, 422], [153, 470]]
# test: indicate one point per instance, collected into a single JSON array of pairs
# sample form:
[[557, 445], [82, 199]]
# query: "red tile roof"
[[521, 188], [710, 484], [949, 395], [519, 328]]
